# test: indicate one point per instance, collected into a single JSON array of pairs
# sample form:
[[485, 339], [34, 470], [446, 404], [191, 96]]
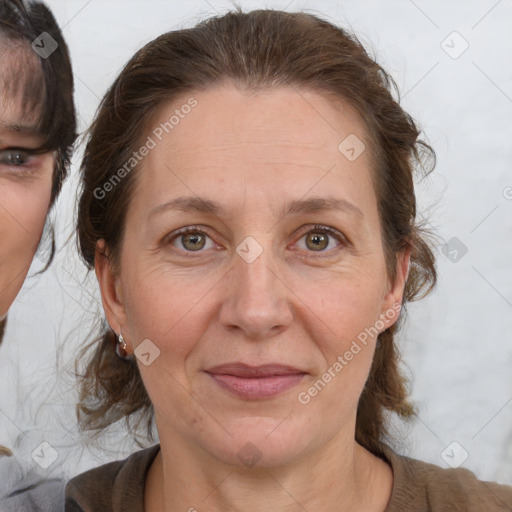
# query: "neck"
[[339, 477]]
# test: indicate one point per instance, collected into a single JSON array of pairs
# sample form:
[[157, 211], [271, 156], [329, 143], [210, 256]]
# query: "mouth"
[[255, 382]]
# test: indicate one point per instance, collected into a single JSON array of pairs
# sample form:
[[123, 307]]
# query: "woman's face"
[[25, 189], [282, 268]]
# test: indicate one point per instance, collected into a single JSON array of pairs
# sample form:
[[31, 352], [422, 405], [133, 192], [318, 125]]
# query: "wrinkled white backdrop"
[[451, 61]]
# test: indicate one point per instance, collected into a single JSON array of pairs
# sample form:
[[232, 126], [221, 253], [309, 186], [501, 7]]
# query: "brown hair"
[[46, 84], [3, 323], [52, 93], [257, 50]]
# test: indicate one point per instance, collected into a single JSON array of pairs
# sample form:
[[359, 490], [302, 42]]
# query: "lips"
[[247, 371], [255, 382]]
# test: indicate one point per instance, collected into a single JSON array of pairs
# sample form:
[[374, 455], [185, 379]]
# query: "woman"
[[37, 130], [248, 206]]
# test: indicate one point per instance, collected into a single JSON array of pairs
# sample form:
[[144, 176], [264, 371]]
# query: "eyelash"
[[315, 229]]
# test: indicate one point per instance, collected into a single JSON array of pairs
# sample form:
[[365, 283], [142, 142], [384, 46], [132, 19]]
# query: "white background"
[[456, 344]]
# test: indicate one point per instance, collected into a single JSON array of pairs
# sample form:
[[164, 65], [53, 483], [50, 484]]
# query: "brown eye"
[[322, 239], [193, 241], [317, 241]]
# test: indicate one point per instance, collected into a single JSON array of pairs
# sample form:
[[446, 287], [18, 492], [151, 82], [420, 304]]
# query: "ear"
[[392, 303], [110, 287]]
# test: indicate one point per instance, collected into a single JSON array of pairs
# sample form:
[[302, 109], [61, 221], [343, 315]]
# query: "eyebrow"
[[29, 129], [300, 206]]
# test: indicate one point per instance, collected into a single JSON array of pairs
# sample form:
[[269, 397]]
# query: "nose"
[[257, 299]]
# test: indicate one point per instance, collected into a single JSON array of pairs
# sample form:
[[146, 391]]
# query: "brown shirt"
[[417, 487]]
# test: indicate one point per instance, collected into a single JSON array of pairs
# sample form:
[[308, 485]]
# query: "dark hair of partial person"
[[47, 89], [48, 92], [258, 50]]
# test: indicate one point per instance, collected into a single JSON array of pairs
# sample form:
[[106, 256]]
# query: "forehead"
[[22, 88], [243, 146], [272, 122], [300, 128]]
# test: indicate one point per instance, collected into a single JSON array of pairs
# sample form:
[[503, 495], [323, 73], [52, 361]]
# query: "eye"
[[191, 240], [322, 239], [15, 157], [318, 239]]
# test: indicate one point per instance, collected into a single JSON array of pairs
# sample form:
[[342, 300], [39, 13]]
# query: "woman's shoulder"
[[116, 486], [22, 491], [420, 486]]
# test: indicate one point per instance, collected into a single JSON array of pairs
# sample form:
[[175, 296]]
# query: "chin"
[[261, 442]]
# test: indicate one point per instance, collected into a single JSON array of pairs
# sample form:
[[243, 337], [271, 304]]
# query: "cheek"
[[351, 334], [165, 307], [346, 301], [23, 210], [346, 341], [345, 313], [354, 307]]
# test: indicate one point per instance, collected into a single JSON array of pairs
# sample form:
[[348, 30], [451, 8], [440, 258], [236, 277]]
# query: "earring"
[[121, 351]]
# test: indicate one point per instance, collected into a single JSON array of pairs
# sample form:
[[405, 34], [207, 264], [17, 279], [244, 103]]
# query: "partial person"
[[248, 206], [37, 132]]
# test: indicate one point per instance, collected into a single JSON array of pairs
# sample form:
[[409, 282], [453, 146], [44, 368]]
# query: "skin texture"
[[25, 188], [295, 305]]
